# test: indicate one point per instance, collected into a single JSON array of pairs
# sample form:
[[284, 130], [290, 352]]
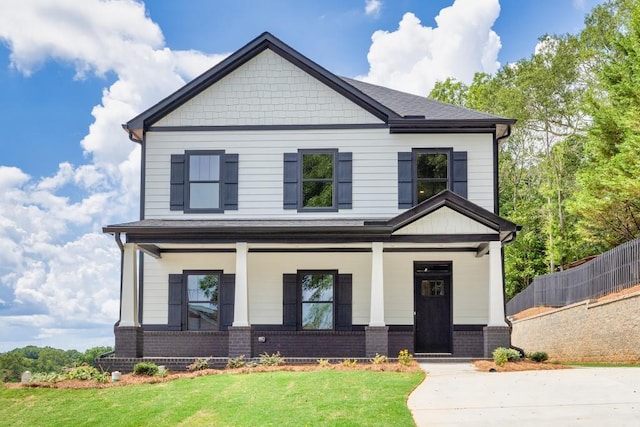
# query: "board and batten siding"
[[470, 286], [267, 90], [260, 157], [444, 221], [470, 282]]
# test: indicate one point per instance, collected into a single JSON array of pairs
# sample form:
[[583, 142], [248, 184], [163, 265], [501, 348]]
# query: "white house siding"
[[156, 278], [265, 281], [445, 221], [260, 188], [267, 90], [470, 284]]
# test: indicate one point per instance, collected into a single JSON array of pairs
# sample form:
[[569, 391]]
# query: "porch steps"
[[443, 358]]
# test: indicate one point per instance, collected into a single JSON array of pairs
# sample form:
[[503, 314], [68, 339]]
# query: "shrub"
[[198, 365], [349, 363], [379, 359], [502, 355], [145, 368], [237, 362], [324, 363], [45, 377], [405, 358], [538, 356], [85, 372], [271, 360]]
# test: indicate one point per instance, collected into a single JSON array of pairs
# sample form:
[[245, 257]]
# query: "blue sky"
[[71, 72]]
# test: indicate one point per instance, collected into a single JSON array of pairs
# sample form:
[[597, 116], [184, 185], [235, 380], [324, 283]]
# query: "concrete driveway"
[[455, 394]]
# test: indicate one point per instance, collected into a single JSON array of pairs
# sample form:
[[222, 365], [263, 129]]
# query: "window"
[[316, 289], [425, 172], [317, 178], [203, 181], [317, 300], [203, 301], [432, 173]]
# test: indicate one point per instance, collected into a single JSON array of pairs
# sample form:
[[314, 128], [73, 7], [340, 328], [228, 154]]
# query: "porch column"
[[129, 298], [377, 333], [376, 317], [496, 292], [496, 333], [241, 300]]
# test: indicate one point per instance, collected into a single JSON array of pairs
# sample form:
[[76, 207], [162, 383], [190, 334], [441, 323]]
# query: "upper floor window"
[[432, 173], [317, 178], [204, 181], [425, 172]]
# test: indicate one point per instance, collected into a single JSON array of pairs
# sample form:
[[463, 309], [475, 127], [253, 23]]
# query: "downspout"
[[508, 240]]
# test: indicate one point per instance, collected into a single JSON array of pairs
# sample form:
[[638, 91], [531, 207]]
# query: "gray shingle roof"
[[406, 104]]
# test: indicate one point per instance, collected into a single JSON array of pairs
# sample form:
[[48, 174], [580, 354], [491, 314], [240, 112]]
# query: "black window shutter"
[[230, 182], [344, 302], [227, 298], [176, 198], [460, 173], [405, 180], [291, 180], [290, 301], [344, 181], [176, 296]]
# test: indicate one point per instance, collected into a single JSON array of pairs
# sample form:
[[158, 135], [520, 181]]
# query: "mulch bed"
[[130, 379], [522, 365]]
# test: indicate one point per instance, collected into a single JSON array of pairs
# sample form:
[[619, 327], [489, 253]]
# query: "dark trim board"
[[267, 127], [469, 249], [309, 250]]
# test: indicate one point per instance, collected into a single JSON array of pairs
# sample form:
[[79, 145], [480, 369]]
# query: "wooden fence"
[[610, 272]]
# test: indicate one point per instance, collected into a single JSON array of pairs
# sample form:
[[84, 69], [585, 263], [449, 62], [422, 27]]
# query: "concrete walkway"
[[455, 394]]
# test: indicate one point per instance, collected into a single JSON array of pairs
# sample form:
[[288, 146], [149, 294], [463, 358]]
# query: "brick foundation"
[[313, 344], [400, 341], [494, 337], [468, 343], [240, 341], [186, 344], [376, 340], [128, 341]]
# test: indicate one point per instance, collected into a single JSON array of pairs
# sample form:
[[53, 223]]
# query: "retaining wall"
[[588, 331]]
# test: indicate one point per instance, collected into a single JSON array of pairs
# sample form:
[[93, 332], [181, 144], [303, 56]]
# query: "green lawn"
[[344, 398]]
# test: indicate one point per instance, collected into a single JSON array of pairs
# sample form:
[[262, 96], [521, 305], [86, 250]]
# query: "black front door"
[[432, 302]]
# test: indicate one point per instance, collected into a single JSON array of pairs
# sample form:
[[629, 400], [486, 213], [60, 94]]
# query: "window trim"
[[334, 180], [185, 317], [187, 182], [299, 303], [414, 168]]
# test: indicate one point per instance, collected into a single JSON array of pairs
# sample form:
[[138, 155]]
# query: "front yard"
[[320, 397]]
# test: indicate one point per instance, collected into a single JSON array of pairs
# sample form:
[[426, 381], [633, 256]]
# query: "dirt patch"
[[532, 312], [522, 365], [627, 291], [130, 379]]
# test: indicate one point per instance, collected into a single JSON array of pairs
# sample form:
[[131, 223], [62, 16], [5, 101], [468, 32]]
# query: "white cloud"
[[372, 7], [414, 57], [54, 255]]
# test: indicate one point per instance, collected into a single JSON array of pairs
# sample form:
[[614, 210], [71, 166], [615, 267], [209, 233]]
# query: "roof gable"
[[455, 203], [268, 90], [444, 220], [401, 111]]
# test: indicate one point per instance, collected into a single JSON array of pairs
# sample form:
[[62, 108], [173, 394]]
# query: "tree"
[[608, 199]]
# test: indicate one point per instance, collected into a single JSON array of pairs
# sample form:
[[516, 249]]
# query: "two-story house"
[[284, 208]]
